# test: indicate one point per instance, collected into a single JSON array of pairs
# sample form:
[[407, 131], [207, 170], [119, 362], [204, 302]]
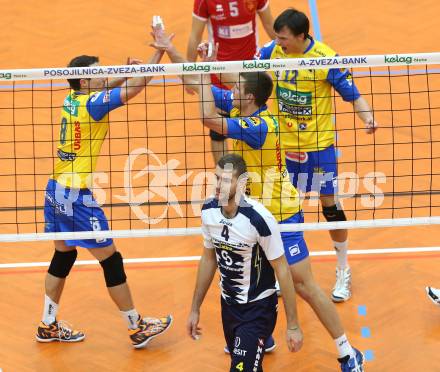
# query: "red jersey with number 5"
[[232, 24]]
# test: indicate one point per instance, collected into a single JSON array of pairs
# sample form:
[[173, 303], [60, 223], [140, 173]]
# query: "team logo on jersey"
[[71, 105], [294, 250], [294, 97], [302, 126], [243, 123], [298, 157], [77, 141], [255, 120], [318, 170], [251, 5], [237, 341], [106, 98]]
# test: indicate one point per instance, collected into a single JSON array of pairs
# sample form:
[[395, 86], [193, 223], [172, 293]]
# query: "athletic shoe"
[[342, 289], [278, 289], [58, 331], [433, 295], [352, 364], [149, 328], [269, 346]]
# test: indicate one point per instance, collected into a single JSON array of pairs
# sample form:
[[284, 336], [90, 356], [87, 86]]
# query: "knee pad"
[[216, 137], [113, 267], [334, 213], [61, 263]]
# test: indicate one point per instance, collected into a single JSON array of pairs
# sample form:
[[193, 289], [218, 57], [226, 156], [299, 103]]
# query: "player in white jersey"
[[242, 239], [295, 247]]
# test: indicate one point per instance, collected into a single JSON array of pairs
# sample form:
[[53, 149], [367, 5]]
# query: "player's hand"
[[207, 51], [162, 41], [371, 126], [294, 339], [133, 61], [192, 325]]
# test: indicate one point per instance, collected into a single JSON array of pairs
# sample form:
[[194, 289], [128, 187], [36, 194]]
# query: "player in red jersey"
[[231, 24]]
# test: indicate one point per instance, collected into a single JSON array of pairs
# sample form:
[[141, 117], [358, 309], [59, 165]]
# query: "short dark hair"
[[296, 21], [259, 84], [238, 163], [80, 61]]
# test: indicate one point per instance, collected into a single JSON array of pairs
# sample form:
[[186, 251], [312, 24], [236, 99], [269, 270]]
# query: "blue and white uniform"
[[244, 245]]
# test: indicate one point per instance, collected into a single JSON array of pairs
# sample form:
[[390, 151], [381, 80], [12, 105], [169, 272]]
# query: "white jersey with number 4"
[[244, 245]]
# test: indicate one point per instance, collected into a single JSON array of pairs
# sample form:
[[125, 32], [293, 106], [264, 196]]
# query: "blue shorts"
[[246, 328], [295, 247], [71, 210], [313, 171]]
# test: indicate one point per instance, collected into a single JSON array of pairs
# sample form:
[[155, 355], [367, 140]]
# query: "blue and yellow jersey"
[[84, 126], [304, 98], [257, 141]]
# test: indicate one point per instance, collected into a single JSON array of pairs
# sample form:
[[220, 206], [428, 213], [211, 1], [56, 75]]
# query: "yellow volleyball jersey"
[[303, 98], [256, 139], [80, 141]]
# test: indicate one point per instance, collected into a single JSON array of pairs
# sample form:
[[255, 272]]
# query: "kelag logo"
[[196, 67], [398, 59], [294, 97], [5, 75], [255, 65]]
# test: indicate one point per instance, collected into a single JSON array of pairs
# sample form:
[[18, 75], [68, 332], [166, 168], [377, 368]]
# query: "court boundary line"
[[377, 251]]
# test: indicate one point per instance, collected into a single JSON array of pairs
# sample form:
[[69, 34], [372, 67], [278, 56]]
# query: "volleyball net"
[[155, 168]]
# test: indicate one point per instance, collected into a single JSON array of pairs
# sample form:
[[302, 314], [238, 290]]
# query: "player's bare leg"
[[309, 290], [333, 212], [49, 328], [120, 294], [141, 330]]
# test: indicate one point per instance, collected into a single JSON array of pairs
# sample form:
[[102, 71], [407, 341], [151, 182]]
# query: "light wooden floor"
[[404, 326]]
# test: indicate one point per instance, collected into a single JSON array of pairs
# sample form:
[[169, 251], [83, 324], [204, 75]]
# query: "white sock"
[[131, 317], [344, 347], [50, 310], [341, 253]]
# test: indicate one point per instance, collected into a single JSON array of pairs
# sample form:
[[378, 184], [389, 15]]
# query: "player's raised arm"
[[197, 28], [208, 110], [134, 86], [163, 42], [117, 82], [267, 21]]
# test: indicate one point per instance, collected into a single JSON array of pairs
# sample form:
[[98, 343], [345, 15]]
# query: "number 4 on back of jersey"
[[225, 232]]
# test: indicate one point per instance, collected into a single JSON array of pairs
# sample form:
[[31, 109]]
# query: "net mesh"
[[155, 167]]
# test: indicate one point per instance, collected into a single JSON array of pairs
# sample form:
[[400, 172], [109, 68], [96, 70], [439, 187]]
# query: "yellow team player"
[[70, 206], [304, 109], [256, 138]]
